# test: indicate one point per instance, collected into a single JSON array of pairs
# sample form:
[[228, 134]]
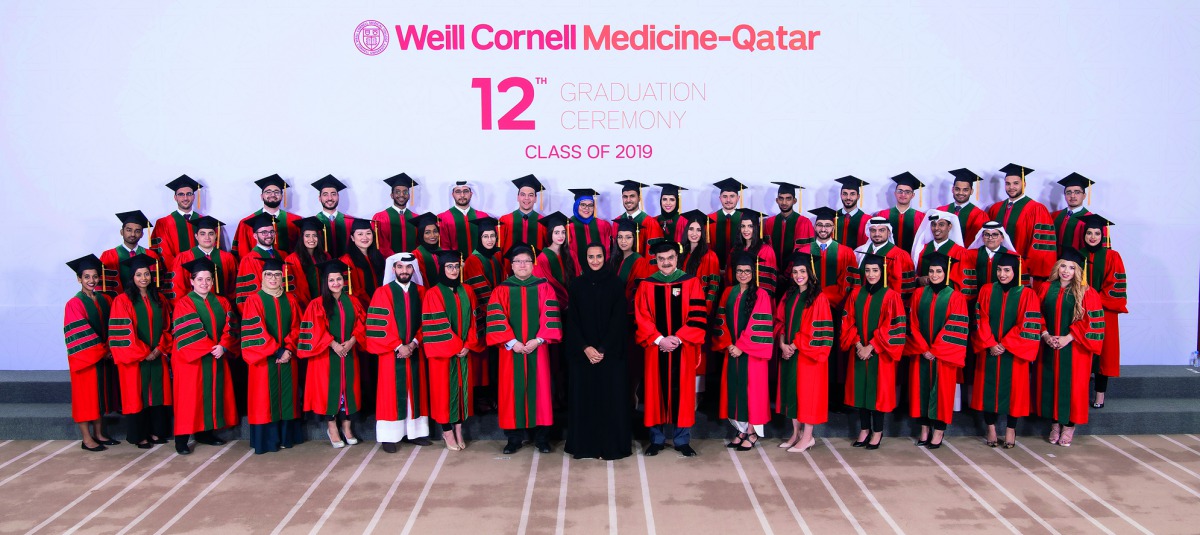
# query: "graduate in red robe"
[[970, 217], [979, 267], [1068, 222], [850, 222], [270, 330], [743, 332], [330, 330], [629, 265], [392, 334], [832, 261], [749, 241], [1073, 335], [723, 224], [301, 274], [936, 349], [522, 318], [788, 230], [208, 239], [84, 330], [172, 234], [1008, 318], [132, 228], [449, 334], [1028, 223], [139, 336], [669, 216], [284, 223], [670, 314], [430, 235], [585, 228], [699, 261], [482, 271], [335, 226], [1106, 274], [204, 338], [905, 219], [874, 325], [555, 263], [646, 227], [805, 332], [458, 233], [250, 264], [900, 273], [939, 233], [365, 261], [521, 225], [391, 223]]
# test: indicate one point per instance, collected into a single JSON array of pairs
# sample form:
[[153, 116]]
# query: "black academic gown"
[[599, 403]]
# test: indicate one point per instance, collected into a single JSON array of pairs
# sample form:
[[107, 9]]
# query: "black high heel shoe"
[[741, 437], [748, 444], [109, 442], [99, 447], [876, 445], [861, 443]]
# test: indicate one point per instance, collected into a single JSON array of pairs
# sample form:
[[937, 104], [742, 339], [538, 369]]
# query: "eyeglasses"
[[744, 272], [265, 232], [522, 261]]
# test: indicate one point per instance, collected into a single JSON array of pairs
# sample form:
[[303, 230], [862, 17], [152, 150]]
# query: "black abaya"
[[599, 402]]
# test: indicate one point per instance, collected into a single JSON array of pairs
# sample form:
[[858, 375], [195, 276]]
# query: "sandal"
[[1067, 435], [737, 441], [1055, 433], [748, 444]]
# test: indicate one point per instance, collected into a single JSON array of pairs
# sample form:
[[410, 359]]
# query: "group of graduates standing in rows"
[[545, 317]]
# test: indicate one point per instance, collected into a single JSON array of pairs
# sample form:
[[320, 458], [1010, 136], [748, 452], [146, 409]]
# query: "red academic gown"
[[833, 267], [301, 282], [648, 229], [482, 274], [1106, 274], [745, 392], [803, 392], [269, 325], [850, 231], [427, 263], [901, 273], [115, 274], [721, 231], [549, 265], [904, 225], [172, 235], [394, 319], [667, 306], [951, 249], [709, 273], [203, 388], [523, 311], [937, 323], [1068, 228], [786, 234], [448, 326], [249, 274], [330, 378], [364, 278], [767, 269], [1062, 375], [1012, 319], [1032, 232], [457, 231], [970, 219], [134, 330], [517, 227], [287, 233], [224, 278], [336, 233], [880, 320], [84, 322], [580, 235], [395, 234]]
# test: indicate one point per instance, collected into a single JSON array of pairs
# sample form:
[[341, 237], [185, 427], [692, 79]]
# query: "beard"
[[272, 204], [329, 205], [404, 278]]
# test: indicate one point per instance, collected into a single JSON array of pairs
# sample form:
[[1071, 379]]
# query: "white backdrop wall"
[[102, 103]]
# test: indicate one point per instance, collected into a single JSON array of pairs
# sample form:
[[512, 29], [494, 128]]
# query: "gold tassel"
[[196, 203], [920, 197], [286, 285], [884, 280], [1022, 180], [284, 200], [800, 200], [1020, 268], [350, 279], [637, 239], [325, 234], [217, 277], [542, 200], [157, 278], [741, 201], [375, 233], [1108, 235], [103, 279], [1088, 191]]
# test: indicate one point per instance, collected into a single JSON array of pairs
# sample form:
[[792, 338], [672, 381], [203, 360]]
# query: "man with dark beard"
[[274, 189], [458, 231], [250, 267], [336, 224]]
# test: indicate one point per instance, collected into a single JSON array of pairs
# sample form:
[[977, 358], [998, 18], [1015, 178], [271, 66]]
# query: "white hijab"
[[925, 231], [389, 272], [978, 243], [861, 250]]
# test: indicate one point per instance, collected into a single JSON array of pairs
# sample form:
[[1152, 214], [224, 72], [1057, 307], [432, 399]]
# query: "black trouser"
[[151, 421], [1101, 383], [541, 434], [991, 418], [873, 418], [449, 426], [182, 440], [934, 423]]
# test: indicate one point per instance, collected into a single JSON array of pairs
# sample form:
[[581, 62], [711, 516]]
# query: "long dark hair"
[[327, 299], [131, 290], [749, 298], [617, 257], [565, 254], [692, 258], [309, 260], [809, 294], [740, 244]]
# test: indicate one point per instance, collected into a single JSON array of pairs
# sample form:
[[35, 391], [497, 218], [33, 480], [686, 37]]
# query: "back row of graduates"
[[559, 261]]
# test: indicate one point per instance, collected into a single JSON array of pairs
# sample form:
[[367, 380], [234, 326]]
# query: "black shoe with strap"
[[737, 441]]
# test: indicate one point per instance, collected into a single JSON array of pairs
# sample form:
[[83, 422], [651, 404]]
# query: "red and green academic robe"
[[721, 230], [332, 381], [766, 270], [287, 233], [745, 392], [580, 235], [395, 234], [203, 388], [648, 228], [904, 225], [270, 325], [519, 227], [302, 281], [668, 305], [937, 324], [787, 233], [224, 276], [833, 267], [1062, 375], [951, 249], [1106, 274], [1012, 319], [850, 229], [1032, 232], [549, 265], [135, 328], [172, 235], [970, 219], [709, 273], [877, 319], [394, 319], [803, 392], [524, 310], [93, 379], [672, 225], [115, 274], [366, 274], [979, 271], [427, 263], [901, 273], [448, 326], [337, 233], [457, 230], [482, 273], [249, 273], [1068, 228], [632, 270]]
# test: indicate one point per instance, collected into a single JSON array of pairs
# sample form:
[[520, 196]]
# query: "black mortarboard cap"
[[332, 266], [632, 185], [200, 264], [965, 175], [626, 224], [83, 263], [871, 259], [485, 223], [528, 181], [136, 217], [328, 181], [824, 213], [261, 220], [745, 259], [852, 182], [1007, 258], [1095, 221], [423, 220], [935, 258], [553, 220], [361, 224], [730, 184], [519, 248], [272, 264], [310, 223], [697, 216], [1076, 179], [273, 180], [205, 222], [184, 181], [663, 246], [750, 213], [908, 179], [1072, 254], [786, 188], [139, 261], [447, 256], [583, 192], [670, 189], [401, 179], [800, 258], [1013, 169]]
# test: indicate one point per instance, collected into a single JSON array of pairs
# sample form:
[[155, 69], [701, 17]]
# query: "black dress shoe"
[[858, 443], [511, 447], [160, 441], [389, 447], [933, 446], [923, 442], [875, 446], [98, 447], [145, 446], [653, 449], [109, 442], [686, 450], [210, 441], [423, 441], [544, 447], [183, 449]]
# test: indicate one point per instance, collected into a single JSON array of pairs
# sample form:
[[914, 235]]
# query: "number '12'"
[[509, 121]]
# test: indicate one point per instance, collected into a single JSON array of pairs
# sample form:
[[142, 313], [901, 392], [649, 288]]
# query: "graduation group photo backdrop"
[[102, 103]]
